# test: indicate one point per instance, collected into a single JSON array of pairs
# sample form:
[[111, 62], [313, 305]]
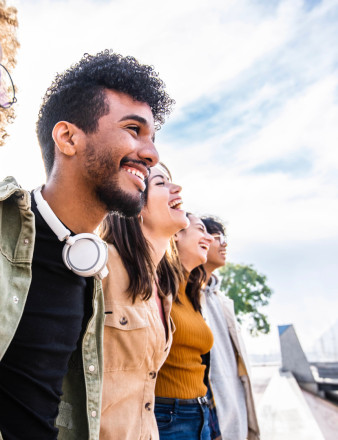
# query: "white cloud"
[[306, 120]]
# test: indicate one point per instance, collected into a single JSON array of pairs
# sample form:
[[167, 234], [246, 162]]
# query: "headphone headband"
[[50, 218]]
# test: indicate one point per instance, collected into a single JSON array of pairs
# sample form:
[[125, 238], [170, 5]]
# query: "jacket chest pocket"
[[125, 337]]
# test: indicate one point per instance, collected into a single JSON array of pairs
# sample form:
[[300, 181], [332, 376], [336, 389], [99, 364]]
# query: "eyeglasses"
[[7, 91], [221, 238]]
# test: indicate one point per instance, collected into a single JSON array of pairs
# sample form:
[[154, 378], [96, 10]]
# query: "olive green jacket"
[[80, 406]]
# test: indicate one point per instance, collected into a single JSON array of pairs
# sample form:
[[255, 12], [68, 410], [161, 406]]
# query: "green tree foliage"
[[249, 291]]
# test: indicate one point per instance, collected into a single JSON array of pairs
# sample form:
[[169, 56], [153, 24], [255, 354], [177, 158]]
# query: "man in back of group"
[[229, 367], [96, 131]]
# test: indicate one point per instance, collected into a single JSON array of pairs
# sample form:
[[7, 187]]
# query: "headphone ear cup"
[[86, 256]]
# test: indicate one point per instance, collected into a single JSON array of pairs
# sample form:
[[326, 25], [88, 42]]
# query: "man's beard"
[[117, 200], [103, 174]]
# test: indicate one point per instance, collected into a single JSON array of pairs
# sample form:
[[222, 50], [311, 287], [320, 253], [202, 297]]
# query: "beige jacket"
[[242, 359], [135, 347]]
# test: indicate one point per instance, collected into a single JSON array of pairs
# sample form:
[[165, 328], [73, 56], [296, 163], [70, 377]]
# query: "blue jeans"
[[215, 431], [182, 422]]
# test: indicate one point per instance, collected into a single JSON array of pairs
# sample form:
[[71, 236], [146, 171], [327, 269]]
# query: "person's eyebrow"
[[139, 119], [158, 175], [201, 224]]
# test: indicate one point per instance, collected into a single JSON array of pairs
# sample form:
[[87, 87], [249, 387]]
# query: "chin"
[[180, 222], [203, 259], [183, 224], [126, 203]]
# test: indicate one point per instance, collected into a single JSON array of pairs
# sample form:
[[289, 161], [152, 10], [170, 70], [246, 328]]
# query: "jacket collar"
[[213, 285]]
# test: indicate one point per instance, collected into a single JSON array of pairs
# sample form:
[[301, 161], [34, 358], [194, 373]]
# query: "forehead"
[[195, 221], [158, 172], [122, 105]]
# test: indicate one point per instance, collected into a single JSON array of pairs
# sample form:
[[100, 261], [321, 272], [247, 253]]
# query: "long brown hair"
[[126, 235], [196, 279]]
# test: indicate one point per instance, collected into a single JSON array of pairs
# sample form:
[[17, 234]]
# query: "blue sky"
[[253, 137]]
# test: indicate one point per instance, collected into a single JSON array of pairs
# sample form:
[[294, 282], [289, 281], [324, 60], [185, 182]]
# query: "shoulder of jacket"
[[228, 306], [115, 261], [9, 180], [228, 301], [9, 185], [9, 188], [117, 281]]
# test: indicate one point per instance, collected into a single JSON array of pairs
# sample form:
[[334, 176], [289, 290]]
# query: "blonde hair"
[[9, 44]]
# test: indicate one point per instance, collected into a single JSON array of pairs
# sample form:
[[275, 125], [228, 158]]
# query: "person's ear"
[[66, 136], [175, 237]]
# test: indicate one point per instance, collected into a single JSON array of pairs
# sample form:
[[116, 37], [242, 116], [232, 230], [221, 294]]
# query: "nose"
[[175, 189], [209, 237], [149, 154]]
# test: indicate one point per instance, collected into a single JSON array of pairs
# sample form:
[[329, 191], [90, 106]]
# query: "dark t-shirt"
[[31, 372]]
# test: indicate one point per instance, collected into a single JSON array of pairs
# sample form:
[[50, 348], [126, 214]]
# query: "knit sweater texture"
[[181, 376]]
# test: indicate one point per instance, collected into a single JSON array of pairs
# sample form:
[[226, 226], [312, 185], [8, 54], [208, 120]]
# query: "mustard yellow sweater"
[[181, 376]]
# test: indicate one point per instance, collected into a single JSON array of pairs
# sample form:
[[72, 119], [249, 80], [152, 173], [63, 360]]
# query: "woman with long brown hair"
[[138, 296], [181, 408]]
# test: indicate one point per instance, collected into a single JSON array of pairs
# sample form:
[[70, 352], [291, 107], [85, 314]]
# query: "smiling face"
[[193, 244], [117, 157], [217, 251], [163, 214]]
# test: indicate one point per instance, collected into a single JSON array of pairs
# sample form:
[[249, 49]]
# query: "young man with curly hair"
[[96, 131], [229, 366]]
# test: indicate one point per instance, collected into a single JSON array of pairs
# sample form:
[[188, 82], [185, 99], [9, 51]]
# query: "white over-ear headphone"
[[84, 254]]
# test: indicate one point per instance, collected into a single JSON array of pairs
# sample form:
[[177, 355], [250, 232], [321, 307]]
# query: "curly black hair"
[[77, 95], [214, 225]]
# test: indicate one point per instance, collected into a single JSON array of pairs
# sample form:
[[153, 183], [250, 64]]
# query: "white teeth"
[[175, 203], [136, 173]]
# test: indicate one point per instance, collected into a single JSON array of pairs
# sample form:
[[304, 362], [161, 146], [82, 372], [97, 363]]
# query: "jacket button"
[[123, 320], [93, 413], [147, 406], [152, 374], [91, 368], [15, 299], [26, 241]]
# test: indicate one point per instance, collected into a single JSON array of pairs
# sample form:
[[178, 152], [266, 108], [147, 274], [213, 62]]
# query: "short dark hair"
[[77, 95], [213, 224]]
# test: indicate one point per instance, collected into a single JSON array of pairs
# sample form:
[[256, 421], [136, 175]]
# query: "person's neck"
[[78, 210], [209, 269], [186, 263], [159, 245]]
